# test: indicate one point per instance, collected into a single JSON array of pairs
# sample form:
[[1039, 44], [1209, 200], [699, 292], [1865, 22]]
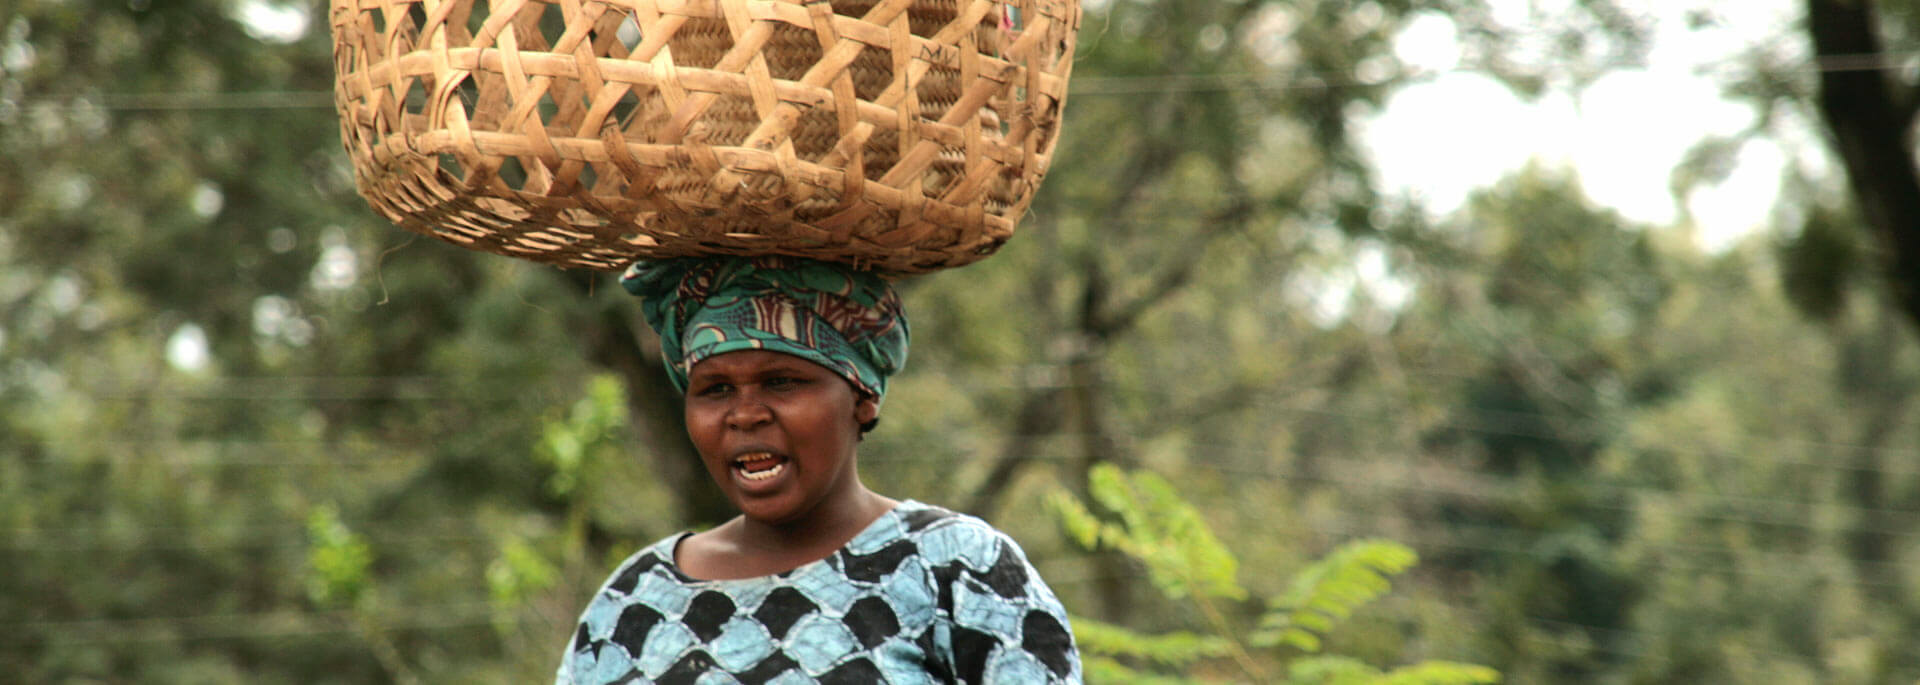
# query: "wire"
[[289, 537], [1733, 507], [250, 626], [1642, 636], [1569, 429], [1441, 541], [1586, 430], [216, 100], [1747, 510], [1085, 86]]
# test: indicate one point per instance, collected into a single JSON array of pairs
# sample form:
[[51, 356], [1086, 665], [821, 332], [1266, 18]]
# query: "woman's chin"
[[768, 505]]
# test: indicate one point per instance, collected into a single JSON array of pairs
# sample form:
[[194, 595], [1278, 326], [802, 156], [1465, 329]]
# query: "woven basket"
[[898, 135]]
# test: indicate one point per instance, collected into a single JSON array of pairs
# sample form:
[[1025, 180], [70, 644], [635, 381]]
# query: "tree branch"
[[1171, 279], [1040, 414]]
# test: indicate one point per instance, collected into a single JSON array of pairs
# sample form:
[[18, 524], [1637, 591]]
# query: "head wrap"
[[846, 320]]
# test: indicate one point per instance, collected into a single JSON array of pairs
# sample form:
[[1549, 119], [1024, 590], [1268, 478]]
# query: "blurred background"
[[1607, 309]]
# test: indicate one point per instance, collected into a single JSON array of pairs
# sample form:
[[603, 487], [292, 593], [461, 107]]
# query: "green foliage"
[[1157, 527], [1818, 261], [1335, 670], [1331, 670], [1102, 669], [338, 561], [1439, 673], [1325, 593], [1161, 530], [1621, 459], [592, 425], [1176, 648], [519, 573]]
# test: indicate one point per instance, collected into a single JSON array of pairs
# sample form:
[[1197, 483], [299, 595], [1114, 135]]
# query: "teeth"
[[759, 466], [753, 456], [763, 475]]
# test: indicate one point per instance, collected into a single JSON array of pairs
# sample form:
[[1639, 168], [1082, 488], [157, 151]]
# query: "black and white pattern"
[[923, 595]]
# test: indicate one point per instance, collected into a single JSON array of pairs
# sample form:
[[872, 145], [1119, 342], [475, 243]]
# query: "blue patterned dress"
[[923, 595]]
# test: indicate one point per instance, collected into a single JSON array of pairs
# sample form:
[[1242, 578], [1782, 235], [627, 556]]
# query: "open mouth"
[[758, 466]]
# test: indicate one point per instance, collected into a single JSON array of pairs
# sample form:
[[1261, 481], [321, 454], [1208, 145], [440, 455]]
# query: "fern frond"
[[1330, 670], [1101, 670], [1328, 591], [1441, 673], [1184, 559], [1163, 531], [1080, 524], [1176, 649]]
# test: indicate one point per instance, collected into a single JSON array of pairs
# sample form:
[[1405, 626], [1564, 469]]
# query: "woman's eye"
[[711, 390], [784, 382]]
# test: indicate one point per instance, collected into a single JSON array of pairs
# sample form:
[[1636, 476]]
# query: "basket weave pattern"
[[899, 135]]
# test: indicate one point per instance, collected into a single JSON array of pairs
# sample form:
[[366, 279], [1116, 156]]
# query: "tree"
[[1870, 108], [372, 458]]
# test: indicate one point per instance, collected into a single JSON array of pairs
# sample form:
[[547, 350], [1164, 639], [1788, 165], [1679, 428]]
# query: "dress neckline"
[[668, 550]]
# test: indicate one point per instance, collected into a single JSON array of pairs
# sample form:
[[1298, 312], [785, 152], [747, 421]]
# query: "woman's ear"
[[866, 410]]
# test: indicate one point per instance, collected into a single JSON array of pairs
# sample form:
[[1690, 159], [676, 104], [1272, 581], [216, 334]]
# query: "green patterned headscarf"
[[848, 321]]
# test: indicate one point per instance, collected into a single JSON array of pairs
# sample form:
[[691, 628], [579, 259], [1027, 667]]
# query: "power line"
[[1441, 540], [1733, 508], [288, 537], [1085, 86], [1566, 429], [1586, 429], [286, 623], [215, 100], [1696, 506], [1765, 510], [1746, 510], [1557, 625]]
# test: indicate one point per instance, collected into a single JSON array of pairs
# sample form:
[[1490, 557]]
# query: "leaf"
[[1330, 670], [1099, 669], [1079, 523], [338, 560], [1440, 673], [1178, 648], [567, 443], [518, 573], [1340, 670], [1328, 591], [1182, 555]]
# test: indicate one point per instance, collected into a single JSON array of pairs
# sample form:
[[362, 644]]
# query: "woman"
[[784, 363]]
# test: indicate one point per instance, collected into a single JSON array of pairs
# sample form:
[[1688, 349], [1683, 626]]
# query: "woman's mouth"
[[759, 466]]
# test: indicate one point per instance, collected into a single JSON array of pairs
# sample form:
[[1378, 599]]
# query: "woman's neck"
[[746, 548], [825, 529]]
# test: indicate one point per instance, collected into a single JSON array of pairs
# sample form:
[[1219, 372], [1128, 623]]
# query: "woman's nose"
[[747, 412]]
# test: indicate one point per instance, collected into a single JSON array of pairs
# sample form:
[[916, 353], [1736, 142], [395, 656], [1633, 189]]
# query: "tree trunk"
[[1113, 570], [1885, 400], [1871, 127], [1040, 414]]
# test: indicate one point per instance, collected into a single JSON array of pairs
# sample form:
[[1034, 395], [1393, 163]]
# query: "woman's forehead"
[[755, 361]]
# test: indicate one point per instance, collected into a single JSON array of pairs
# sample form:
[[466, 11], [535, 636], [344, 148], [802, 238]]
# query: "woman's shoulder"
[[654, 557], [943, 536], [919, 519]]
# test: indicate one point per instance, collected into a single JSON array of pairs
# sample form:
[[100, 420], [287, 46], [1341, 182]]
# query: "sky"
[[1440, 140]]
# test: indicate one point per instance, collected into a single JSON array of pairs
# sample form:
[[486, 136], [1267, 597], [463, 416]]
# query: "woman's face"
[[776, 432]]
